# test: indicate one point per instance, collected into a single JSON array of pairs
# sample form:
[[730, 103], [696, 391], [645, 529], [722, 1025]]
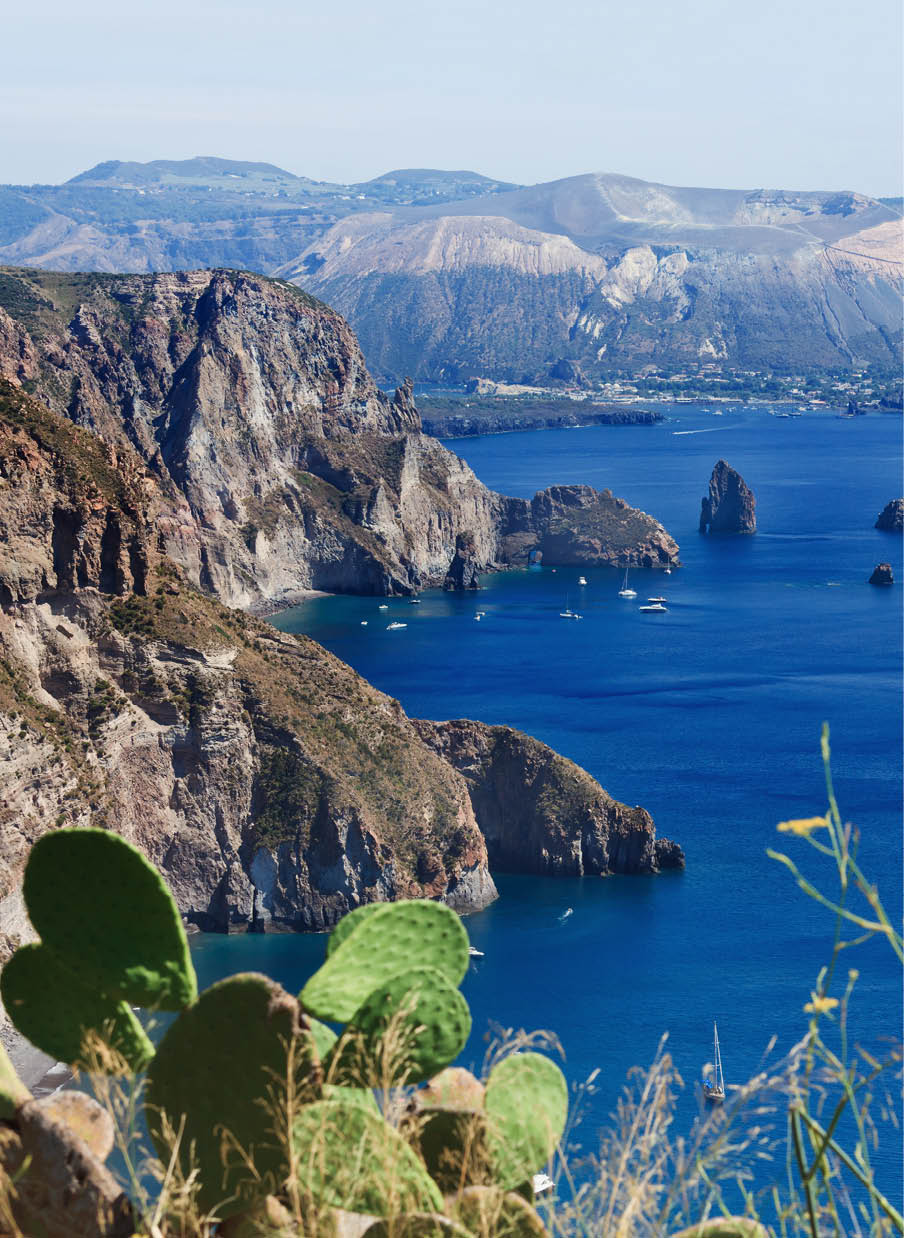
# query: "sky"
[[728, 93]]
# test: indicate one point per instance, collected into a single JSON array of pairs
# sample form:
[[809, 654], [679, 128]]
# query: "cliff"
[[268, 781], [730, 506], [541, 813], [261, 774], [891, 518], [279, 464], [453, 274], [608, 272]]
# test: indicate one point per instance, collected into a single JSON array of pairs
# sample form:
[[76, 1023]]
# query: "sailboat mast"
[[720, 1082]]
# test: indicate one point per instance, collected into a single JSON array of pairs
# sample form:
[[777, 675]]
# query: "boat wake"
[[710, 430]]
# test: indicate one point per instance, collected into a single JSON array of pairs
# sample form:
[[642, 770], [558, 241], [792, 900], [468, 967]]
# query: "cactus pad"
[[349, 923], [526, 1106], [54, 1011], [452, 1088], [218, 1064], [393, 938], [349, 1158], [433, 1024], [323, 1037], [13, 1091], [490, 1210], [98, 904], [453, 1146], [416, 1225]]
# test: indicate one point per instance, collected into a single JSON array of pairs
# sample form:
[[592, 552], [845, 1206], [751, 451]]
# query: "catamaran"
[[624, 591], [713, 1082]]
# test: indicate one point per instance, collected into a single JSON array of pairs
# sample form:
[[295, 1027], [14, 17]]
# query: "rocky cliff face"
[[891, 518], [263, 776], [541, 813], [604, 271], [280, 466], [268, 781], [730, 506], [882, 575]]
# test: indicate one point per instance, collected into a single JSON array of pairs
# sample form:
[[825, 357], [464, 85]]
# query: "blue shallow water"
[[709, 716]]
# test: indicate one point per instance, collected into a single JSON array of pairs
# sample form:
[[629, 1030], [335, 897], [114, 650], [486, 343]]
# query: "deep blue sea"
[[709, 716]]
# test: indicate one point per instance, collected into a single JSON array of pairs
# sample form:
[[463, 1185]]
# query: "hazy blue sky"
[[738, 93]]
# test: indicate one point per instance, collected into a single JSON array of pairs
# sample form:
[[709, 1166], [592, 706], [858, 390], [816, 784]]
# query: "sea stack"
[[462, 573], [891, 518], [882, 575], [730, 506]]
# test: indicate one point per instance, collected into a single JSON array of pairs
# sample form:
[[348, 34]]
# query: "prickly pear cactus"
[[432, 1025], [221, 1065], [417, 1225], [349, 922], [387, 941], [490, 1210], [350, 1158], [526, 1106], [55, 1011], [98, 904]]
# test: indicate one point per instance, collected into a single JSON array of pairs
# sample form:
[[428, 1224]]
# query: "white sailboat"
[[714, 1083], [624, 591]]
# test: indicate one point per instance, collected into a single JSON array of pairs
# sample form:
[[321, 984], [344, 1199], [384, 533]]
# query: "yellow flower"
[[803, 825], [820, 1005]]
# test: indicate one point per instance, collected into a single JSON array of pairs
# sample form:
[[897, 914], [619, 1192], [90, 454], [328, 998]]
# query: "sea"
[[708, 715]]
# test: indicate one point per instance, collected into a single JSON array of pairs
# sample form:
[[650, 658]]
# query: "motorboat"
[[582, 580], [383, 606], [414, 601], [624, 591], [542, 1183], [662, 600], [363, 623], [475, 953], [394, 627], [654, 608]]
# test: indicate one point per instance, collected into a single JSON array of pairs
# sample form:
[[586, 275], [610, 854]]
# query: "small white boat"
[[414, 601], [394, 627], [363, 623], [668, 571], [383, 606], [624, 591], [569, 614], [713, 1081], [582, 580], [541, 1183], [662, 600], [479, 614], [655, 608], [475, 953]]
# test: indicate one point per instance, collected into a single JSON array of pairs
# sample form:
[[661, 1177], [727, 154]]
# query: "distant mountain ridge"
[[447, 275]]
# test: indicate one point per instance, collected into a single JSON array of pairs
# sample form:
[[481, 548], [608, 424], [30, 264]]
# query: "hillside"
[[613, 273], [281, 466], [265, 778], [448, 275]]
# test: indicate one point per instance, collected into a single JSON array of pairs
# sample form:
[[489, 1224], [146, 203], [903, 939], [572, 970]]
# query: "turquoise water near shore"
[[708, 715]]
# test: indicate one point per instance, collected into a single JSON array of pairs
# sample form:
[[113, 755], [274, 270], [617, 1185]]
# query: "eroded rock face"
[[891, 518], [264, 778], [882, 575], [579, 525], [279, 465], [463, 571], [541, 813], [730, 506]]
